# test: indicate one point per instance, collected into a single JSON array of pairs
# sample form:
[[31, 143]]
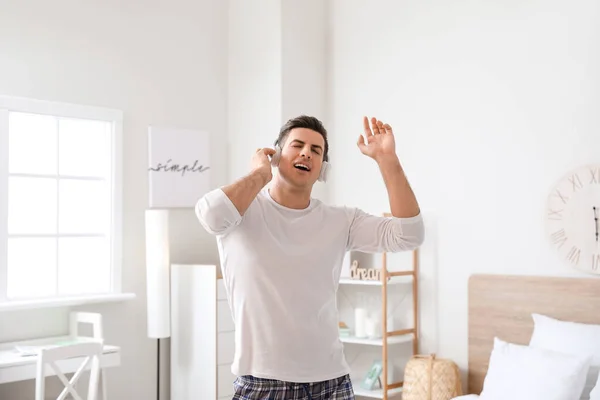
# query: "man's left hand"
[[380, 143]]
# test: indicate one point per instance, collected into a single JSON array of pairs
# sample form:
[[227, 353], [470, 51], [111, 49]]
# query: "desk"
[[14, 367]]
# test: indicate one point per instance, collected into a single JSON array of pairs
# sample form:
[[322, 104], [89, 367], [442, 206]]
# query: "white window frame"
[[65, 110]]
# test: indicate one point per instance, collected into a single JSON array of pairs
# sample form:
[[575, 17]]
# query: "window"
[[60, 201]]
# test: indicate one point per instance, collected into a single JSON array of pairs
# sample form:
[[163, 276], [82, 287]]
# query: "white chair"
[[94, 319], [90, 352]]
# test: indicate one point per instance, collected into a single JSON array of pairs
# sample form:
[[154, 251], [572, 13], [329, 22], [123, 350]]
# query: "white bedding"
[[571, 338], [520, 372], [561, 362]]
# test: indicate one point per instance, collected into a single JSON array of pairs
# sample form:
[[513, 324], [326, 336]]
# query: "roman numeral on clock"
[[576, 182], [555, 214], [573, 255], [561, 196], [559, 238], [595, 175], [595, 262]]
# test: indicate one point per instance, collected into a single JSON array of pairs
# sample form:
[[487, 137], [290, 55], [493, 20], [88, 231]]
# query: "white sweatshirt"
[[281, 269]]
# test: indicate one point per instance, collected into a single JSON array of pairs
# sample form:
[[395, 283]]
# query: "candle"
[[372, 328], [360, 322]]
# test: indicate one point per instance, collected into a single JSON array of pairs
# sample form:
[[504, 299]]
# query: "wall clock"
[[573, 218]]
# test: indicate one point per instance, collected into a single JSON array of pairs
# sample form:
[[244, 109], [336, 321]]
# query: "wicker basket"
[[429, 378]]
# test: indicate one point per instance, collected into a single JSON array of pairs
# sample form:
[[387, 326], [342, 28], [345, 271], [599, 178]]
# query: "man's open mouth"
[[302, 167]]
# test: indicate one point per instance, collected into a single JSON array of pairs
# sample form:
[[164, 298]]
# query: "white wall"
[[159, 62], [491, 103], [277, 70], [254, 76]]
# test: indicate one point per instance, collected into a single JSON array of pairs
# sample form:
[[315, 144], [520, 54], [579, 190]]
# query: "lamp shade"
[[158, 274]]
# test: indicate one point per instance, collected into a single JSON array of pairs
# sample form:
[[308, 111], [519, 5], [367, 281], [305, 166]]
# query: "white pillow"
[[572, 338], [518, 372]]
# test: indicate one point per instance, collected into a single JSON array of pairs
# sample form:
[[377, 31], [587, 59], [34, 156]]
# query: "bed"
[[501, 306]]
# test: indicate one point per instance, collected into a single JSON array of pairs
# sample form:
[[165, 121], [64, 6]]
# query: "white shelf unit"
[[391, 282], [202, 334], [378, 342]]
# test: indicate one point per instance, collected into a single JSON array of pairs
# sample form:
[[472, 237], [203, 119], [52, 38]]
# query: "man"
[[281, 254]]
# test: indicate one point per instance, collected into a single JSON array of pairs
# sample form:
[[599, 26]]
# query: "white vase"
[[372, 328], [360, 322]]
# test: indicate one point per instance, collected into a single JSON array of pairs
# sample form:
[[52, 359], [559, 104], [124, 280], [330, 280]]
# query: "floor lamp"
[[158, 280]]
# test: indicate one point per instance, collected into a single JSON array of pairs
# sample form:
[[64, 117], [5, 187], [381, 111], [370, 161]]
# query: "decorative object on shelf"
[[372, 376], [370, 274], [360, 322], [427, 377], [372, 328], [344, 330], [179, 167], [573, 218]]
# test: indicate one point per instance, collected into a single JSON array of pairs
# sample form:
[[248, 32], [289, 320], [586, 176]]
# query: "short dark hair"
[[304, 121]]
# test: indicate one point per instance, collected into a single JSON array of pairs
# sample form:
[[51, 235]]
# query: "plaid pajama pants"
[[252, 388]]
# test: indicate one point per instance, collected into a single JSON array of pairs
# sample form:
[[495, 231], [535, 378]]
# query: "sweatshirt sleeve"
[[217, 213], [375, 234]]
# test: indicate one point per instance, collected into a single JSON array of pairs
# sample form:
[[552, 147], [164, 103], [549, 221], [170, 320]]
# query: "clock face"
[[573, 218]]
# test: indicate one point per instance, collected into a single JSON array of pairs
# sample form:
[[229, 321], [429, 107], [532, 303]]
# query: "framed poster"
[[179, 167]]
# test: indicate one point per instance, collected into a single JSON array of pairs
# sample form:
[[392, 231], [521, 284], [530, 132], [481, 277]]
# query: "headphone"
[[325, 167]]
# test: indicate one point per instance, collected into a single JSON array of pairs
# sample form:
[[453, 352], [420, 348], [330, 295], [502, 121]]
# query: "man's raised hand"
[[377, 141]]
